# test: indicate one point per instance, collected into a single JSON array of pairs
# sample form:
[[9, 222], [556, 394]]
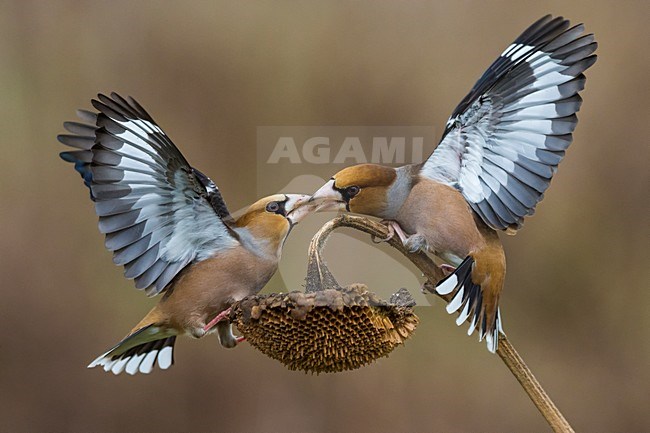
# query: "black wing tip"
[[541, 27], [127, 107], [539, 34], [107, 111], [111, 96], [67, 157], [61, 138]]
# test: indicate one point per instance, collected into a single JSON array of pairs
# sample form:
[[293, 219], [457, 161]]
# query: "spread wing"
[[158, 213], [504, 141]]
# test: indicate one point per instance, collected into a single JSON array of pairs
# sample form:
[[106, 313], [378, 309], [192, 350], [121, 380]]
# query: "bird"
[[168, 225], [500, 148]]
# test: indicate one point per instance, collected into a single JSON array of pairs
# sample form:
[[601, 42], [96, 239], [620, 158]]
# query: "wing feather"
[[158, 213], [504, 141]]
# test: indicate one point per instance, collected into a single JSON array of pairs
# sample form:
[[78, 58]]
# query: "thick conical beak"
[[298, 207], [327, 198]]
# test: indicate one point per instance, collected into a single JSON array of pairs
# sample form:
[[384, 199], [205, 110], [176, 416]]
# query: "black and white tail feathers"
[[140, 351], [468, 299]]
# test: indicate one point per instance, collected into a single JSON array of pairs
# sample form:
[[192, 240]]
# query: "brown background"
[[576, 302]]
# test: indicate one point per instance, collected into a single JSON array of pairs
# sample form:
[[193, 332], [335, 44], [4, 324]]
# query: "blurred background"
[[576, 302]]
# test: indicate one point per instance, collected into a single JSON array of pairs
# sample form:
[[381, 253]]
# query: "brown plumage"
[[433, 216], [207, 288], [500, 149], [167, 223]]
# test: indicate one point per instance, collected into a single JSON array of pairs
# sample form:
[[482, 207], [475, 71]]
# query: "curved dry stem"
[[319, 277]]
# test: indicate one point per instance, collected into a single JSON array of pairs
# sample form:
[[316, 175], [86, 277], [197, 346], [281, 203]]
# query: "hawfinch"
[[499, 151], [168, 225]]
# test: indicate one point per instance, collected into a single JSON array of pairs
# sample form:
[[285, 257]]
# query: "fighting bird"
[[168, 225], [500, 148]]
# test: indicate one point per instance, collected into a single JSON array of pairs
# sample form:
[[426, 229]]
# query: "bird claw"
[[427, 288], [391, 232], [221, 316], [412, 243], [393, 229], [447, 269]]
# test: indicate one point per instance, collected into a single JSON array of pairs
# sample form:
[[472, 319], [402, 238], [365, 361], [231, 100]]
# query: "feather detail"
[[158, 213], [140, 351], [504, 141], [473, 303]]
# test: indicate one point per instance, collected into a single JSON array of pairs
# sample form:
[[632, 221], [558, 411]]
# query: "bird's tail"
[[473, 303], [139, 351]]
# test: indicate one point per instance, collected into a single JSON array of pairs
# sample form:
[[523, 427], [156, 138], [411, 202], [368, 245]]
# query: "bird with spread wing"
[[167, 224], [500, 149]]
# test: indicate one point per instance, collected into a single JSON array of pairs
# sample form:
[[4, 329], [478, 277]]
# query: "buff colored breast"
[[442, 216], [213, 285]]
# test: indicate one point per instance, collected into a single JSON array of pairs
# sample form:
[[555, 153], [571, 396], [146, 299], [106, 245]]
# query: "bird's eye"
[[273, 207], [353, 190]]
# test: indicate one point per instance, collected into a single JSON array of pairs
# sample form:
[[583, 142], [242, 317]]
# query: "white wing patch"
[[195, 235], [515, 51], [505, 140], [158, 214]]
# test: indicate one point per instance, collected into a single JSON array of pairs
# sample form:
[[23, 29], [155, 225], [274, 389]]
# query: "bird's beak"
[[327, 198], [298, 207]]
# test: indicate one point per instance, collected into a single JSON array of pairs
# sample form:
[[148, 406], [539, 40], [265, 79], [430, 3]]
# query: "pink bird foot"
[[447, 269], [394, 228], [413, 243], [221, 316]]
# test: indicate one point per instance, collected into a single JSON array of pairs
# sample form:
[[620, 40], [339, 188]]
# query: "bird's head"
[[361, 189], [271, 218]]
